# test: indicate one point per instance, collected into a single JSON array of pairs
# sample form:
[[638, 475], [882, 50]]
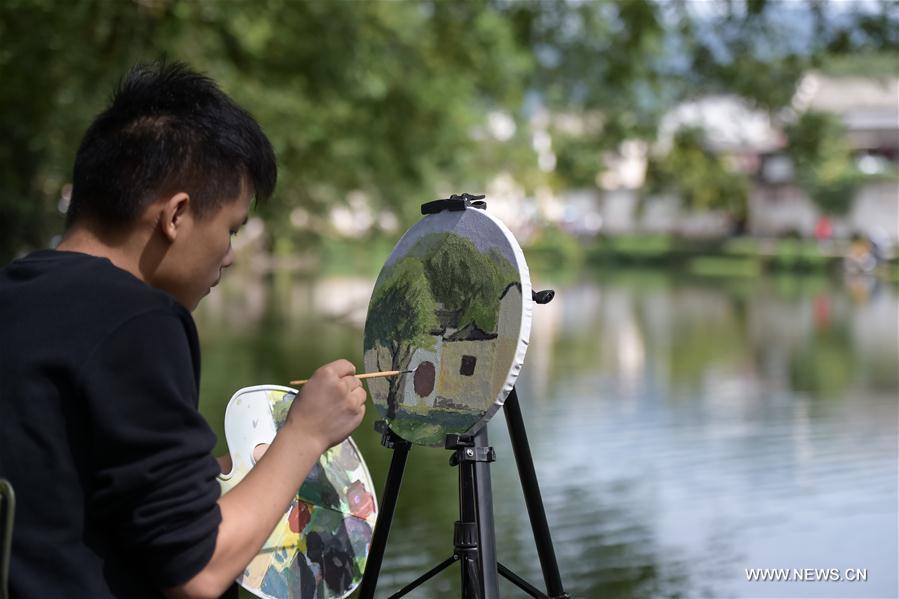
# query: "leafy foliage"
[[402, 308], [379, 97], [391, 98], [464, 279], [823, 161], [401, 316], [700, 177]]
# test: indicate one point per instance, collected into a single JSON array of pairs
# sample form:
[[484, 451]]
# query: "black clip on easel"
[[474, 537]]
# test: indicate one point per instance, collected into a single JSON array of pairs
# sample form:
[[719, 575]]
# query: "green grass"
[[799, 253], [552, 249], [713, 266], [431, 427], [641, 245], [741, 246], [733, 257]]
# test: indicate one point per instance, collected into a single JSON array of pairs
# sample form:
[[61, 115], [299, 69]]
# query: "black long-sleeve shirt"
[[99, 432]]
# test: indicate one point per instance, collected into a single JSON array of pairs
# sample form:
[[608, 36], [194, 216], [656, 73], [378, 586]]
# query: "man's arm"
[[330, 406], [224, 463]]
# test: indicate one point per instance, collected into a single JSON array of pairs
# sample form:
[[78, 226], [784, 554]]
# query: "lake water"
[[683, 430]]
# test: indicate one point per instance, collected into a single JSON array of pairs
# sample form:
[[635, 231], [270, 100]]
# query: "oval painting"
[[451, 309]]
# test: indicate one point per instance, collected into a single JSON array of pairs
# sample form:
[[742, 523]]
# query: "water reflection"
[[683, 431]]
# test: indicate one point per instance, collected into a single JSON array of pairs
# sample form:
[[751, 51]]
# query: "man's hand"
[[330, 406]]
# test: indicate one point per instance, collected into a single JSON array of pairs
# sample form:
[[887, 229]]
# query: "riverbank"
[[554, 251], [736, 257]]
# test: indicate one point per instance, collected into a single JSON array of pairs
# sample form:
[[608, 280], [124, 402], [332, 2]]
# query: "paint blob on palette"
[[319, 548], [452, 306]]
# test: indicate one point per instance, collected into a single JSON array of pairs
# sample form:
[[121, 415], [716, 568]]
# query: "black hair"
[[168, 129]]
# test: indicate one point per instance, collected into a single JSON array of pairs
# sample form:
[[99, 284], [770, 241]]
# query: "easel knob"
[[543, 297]]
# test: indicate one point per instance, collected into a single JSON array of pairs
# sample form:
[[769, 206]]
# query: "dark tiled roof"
[[470, 333], [516, 284]]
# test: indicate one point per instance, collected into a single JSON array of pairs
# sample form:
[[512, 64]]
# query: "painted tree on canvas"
[[401, 316], [464, 279]]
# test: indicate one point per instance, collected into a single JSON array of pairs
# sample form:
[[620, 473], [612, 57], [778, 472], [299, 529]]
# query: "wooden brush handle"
[[369, 375]]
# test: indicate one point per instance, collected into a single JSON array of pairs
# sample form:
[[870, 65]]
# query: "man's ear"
[[172, 215]]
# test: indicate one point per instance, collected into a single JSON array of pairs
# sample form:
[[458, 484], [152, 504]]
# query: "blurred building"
[[869, 109], [731, 127], [750, 139]]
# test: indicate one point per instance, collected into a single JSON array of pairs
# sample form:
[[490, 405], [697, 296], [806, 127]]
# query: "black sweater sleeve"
[[153, 486]]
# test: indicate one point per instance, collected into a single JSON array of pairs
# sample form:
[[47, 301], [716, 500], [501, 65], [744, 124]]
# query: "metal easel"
[[474, 537]]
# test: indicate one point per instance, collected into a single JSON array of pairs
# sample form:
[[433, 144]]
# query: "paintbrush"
[[369, 375]]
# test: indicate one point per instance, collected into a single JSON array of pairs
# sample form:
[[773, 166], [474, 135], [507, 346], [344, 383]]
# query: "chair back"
[[7, 511]]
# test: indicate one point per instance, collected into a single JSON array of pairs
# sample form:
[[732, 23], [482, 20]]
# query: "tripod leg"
[[474, 537], [425, 577], [385, 517], [471, 584], [520, 582], [486, 529], [522, 450], [466, 534]]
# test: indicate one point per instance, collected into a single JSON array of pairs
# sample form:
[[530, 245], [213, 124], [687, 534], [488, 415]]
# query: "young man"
[[99, 361]]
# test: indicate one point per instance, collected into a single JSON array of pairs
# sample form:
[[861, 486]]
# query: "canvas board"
[[453, 306]]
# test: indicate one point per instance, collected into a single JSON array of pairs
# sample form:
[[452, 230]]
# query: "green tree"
[[57, 65], [464, 279], [379, 97], [391, 98], [601, 57], [401, 316], [627, 63], [701, 178], [822, 159]]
